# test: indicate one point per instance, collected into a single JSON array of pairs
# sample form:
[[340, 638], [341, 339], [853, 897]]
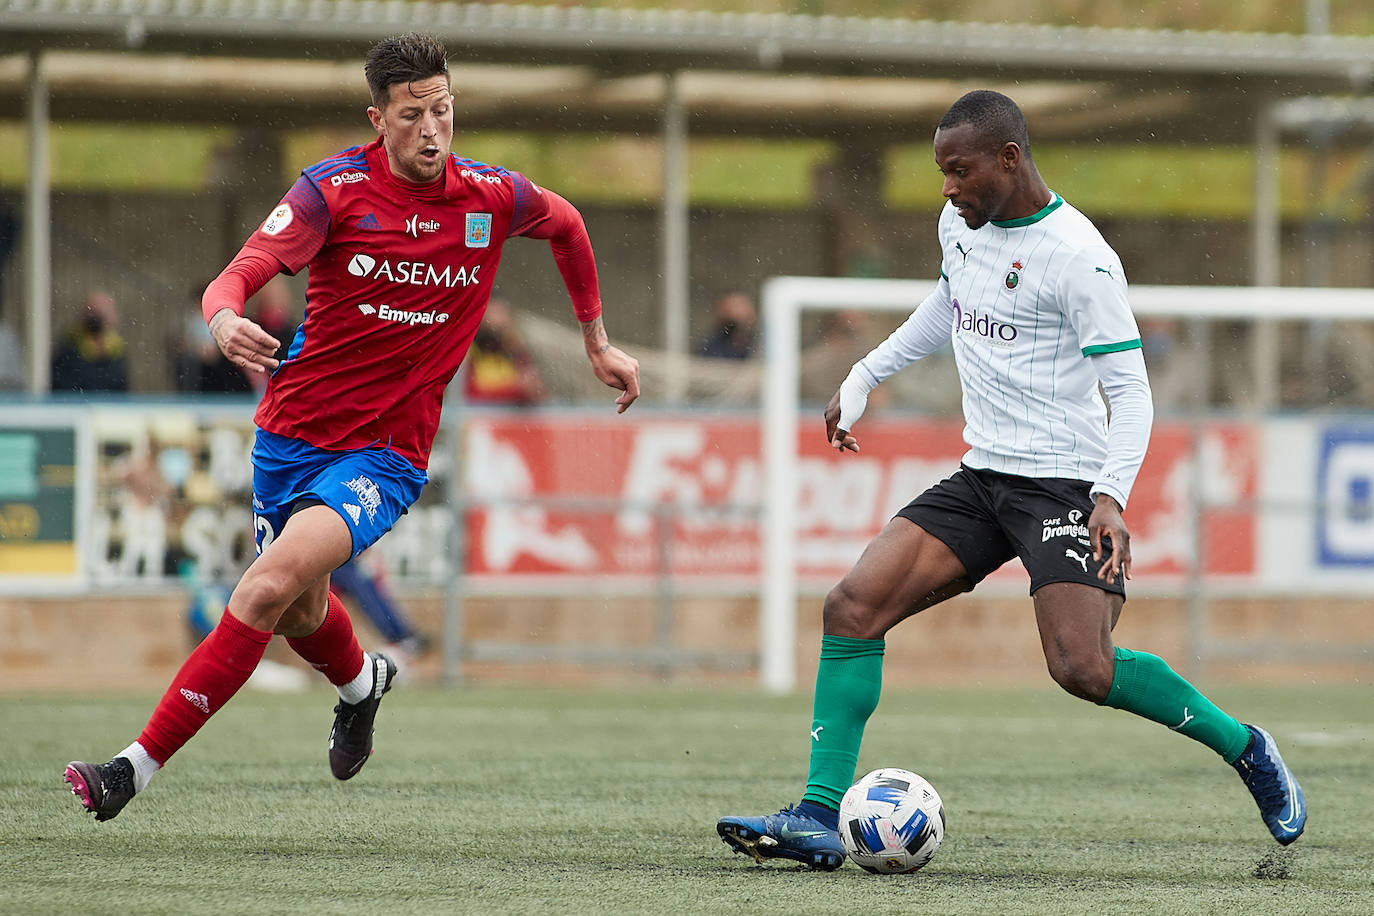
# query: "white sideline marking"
[[1341, 738]]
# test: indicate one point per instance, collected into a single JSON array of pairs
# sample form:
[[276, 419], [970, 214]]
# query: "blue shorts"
[[369, 488]]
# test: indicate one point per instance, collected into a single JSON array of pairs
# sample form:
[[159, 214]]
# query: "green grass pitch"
[[524, 800]]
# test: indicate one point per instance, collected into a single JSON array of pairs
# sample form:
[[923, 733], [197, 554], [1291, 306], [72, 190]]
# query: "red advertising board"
[[558, 495]]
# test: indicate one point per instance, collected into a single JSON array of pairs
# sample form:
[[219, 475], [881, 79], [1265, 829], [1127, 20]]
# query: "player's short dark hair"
[[996, 117], [403, 59]]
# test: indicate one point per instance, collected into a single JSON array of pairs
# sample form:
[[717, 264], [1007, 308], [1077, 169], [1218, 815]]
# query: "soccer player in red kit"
[[401, 239]]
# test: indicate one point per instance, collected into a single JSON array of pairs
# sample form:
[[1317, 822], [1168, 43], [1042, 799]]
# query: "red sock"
[[212, 674], [333, 650]]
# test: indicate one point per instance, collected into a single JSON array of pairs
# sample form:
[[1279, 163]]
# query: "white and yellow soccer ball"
[[891, 821]]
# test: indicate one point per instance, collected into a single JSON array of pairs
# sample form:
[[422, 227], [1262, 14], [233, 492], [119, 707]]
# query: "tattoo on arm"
[[594, 335], [218, 319]]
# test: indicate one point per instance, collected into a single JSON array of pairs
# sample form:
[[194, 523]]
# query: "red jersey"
[[399, 277]]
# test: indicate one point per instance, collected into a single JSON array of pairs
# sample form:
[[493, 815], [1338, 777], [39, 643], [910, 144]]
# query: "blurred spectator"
[[735, 331], [499, 367], [9, 238], [845, 331], [143, 502], [90, 356], [12, 376], [1171, 370], [11, 360], [271, 309], [841, 339], [200, 366]]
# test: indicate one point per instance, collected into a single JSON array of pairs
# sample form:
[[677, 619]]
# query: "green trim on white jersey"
[[1055, 201], [1112, 348]]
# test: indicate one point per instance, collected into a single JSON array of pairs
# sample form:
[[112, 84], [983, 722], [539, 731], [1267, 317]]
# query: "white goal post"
[[785, 298]]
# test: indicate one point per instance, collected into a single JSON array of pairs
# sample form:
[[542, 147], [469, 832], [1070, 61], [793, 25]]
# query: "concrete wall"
[[137, 643]]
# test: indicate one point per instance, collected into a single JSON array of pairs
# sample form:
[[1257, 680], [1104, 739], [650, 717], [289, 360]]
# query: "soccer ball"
[[891, 821]]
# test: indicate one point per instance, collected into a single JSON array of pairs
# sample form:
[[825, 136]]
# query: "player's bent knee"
[[845, 615], [1087, 682], [263, 596], [302, 617]]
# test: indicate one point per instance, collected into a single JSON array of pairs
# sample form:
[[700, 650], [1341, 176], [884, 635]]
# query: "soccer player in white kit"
[[1034, 303]]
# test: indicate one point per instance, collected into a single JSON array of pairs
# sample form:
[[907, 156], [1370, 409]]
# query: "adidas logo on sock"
[[198, 700]]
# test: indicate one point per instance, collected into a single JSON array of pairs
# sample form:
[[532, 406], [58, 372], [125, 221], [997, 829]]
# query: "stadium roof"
[[585, 68], [567, 69]]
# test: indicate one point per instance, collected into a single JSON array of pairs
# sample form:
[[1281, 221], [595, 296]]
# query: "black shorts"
[[987, 518]]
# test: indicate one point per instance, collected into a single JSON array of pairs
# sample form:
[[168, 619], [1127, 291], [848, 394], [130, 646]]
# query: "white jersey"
[[1026, 304]]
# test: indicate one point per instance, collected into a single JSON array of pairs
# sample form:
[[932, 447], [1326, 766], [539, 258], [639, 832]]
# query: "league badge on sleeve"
[[478, 230], [278, 220]]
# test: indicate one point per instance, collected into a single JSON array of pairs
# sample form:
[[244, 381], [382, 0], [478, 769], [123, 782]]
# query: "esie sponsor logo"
[[415, 225]]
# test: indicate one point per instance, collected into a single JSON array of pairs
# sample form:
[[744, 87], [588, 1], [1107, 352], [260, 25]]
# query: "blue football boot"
[[1277, 793], [789, 834]]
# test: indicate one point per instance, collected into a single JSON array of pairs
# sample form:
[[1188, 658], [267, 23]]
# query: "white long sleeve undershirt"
[[1128, 434], [1122, 373]]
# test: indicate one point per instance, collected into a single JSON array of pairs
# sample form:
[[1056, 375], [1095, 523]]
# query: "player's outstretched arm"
[[612, 365]]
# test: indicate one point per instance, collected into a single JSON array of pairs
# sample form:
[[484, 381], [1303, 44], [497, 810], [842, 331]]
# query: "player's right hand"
[[243, 342], [838, 438], [619, 370]]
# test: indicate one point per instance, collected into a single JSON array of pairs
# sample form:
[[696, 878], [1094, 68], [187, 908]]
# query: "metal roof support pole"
[[1266, 254], [38, 231], [674, 241], [454, 649], [1318, 17], [1316, 260]]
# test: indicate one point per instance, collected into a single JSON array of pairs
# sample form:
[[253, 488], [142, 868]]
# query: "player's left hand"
[[1106, 524], [619, 370]]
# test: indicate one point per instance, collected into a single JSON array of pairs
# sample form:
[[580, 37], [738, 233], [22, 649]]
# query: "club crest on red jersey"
[[477, 233]]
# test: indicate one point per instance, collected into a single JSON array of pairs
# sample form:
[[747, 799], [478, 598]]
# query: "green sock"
[[848, 681], [1145, 685]]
